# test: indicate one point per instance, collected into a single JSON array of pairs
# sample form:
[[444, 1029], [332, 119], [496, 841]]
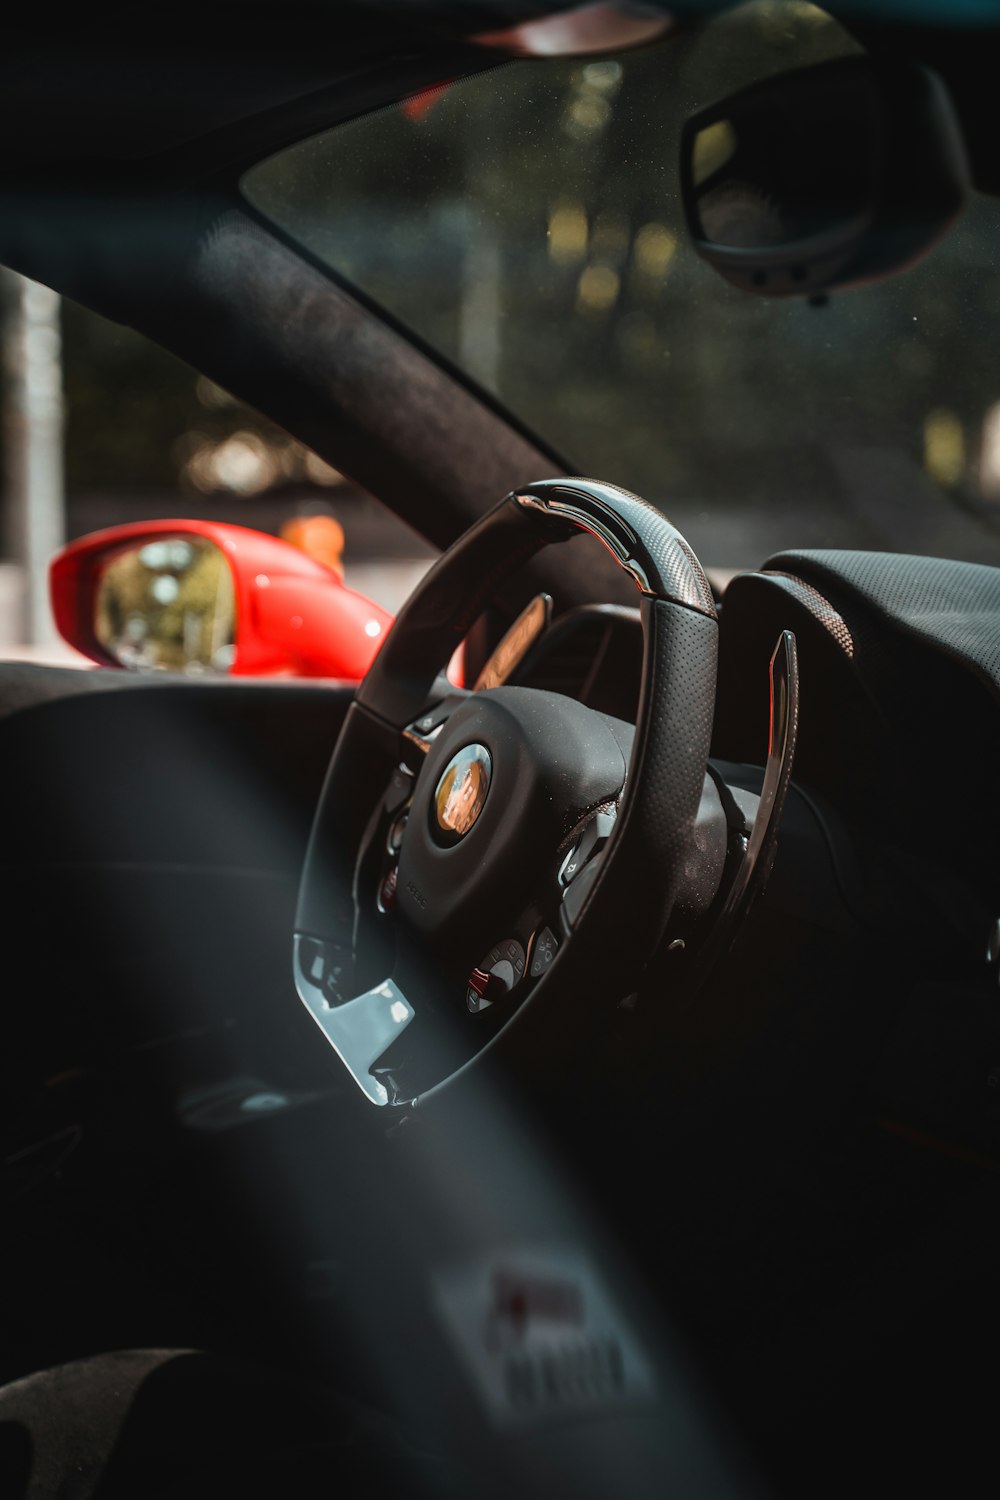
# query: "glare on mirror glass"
[[168, 605]]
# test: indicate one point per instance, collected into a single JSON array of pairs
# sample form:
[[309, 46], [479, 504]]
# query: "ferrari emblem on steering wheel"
[[461, 792]]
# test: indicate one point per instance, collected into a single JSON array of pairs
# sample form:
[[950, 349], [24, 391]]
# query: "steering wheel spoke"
[[360, 1028]]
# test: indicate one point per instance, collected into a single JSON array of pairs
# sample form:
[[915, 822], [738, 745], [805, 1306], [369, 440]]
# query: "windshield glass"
[[526, 223]]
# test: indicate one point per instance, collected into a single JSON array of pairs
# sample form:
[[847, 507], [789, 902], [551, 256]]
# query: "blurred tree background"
[[141, 423], [527, 224]]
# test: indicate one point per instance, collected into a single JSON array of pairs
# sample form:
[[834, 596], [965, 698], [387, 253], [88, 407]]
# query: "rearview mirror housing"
[[824, 177], [204, 597]]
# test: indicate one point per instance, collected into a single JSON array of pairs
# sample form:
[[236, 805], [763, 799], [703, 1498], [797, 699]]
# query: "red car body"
[[294, 615]]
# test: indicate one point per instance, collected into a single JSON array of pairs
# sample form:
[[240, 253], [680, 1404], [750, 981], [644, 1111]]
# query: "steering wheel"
[[487, 866]]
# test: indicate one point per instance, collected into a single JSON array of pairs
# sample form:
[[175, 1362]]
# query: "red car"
[[202, 596]]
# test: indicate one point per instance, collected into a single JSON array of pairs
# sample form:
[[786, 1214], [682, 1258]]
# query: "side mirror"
[[823, 177], [203, 597]]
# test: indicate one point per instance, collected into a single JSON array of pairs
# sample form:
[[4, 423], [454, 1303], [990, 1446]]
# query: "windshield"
[[526, 223]]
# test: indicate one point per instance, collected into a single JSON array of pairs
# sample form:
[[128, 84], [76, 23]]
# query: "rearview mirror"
[[823, 177], [202, 597]]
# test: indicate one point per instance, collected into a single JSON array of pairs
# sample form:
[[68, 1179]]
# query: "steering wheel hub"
[[515, 769]]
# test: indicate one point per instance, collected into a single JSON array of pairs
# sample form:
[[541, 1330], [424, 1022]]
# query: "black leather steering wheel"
[[479, 861]]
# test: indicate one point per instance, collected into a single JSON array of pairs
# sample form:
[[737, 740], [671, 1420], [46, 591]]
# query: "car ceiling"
[[112, 88]]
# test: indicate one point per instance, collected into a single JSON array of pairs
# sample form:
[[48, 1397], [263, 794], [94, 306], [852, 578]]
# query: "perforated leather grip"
[[632, 901]]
